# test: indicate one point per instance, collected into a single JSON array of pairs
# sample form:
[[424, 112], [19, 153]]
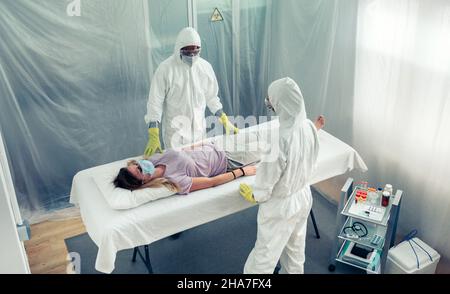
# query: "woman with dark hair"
[[183, 171]]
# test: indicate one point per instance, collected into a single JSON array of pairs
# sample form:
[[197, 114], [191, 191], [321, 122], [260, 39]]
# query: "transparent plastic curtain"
[[73, 92], [262, 40], [217, 45], [313, 42], [165, 21], [74, 89], [255, 29], [236, 48]]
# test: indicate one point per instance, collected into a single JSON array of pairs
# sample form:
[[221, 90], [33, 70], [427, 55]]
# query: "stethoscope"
[[358, 230]]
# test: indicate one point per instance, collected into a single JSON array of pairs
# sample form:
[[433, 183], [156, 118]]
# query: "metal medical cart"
[[385, 228]]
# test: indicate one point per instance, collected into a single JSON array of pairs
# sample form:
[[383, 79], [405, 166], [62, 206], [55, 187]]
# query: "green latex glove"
[[227, 124], [153, 144], [247, 192]]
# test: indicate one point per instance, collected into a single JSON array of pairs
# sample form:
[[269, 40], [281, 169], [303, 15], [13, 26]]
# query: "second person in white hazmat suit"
[[182, 86], [282, 185]]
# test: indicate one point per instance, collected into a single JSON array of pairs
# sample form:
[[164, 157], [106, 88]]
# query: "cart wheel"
[[331, 267]]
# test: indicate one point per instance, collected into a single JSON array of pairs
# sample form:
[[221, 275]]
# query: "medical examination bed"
[[115, 230]]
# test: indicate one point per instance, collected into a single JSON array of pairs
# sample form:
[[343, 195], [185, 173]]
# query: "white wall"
[[13, 258]]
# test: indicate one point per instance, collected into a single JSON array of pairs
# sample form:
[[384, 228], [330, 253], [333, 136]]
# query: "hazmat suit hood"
[[187, 37], [287, 101]]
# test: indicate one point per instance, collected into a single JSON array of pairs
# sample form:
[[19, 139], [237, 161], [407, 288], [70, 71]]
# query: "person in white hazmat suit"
[[182, 86], [282, 185]]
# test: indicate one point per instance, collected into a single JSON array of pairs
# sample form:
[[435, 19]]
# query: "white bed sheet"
[[115, 230]]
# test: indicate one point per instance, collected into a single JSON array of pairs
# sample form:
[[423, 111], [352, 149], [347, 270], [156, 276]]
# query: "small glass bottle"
[[372, 195], [380, 195], [363, 185], [385, 198]]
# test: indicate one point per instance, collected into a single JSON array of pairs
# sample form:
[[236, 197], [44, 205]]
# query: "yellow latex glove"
[[153, 144], [227, 124], [247, 192]]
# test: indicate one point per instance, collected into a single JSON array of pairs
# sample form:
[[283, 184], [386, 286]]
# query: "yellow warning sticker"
[[216, 16]]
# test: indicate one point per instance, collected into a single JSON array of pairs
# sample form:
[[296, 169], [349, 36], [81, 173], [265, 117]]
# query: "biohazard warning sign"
[[216, 16]]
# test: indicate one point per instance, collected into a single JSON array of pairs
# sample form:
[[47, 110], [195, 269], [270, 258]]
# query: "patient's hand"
[[250, 170], [320, 122]]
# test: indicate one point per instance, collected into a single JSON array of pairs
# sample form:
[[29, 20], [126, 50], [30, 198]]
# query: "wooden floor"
[[47, 252]]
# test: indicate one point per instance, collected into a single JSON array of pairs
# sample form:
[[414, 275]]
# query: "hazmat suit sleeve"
[[269, 173], [212, 91], [158, 90]]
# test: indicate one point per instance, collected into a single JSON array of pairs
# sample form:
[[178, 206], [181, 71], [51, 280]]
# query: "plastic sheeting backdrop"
[[73, 90]]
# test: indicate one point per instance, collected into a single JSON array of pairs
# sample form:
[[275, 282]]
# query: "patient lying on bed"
[[190, 169]]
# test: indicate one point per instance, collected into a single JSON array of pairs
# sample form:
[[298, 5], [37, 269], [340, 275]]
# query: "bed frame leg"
[[135, 251], [314, 224], [145, 259]]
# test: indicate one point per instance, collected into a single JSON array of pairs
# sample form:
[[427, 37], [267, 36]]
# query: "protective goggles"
[[190, 52], [268, 104]]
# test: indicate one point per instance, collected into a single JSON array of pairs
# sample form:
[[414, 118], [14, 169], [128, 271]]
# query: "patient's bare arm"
[[205, 183]]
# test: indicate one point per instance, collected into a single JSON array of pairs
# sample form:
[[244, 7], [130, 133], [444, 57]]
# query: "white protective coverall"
[[282, 186], [179, 94]]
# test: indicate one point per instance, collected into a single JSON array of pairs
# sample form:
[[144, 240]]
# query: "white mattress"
[[115, 230]]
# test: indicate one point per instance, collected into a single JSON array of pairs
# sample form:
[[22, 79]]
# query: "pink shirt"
[[182, 166]]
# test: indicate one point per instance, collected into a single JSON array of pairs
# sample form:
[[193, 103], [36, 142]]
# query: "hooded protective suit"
[[282, 186], [179, 94]]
